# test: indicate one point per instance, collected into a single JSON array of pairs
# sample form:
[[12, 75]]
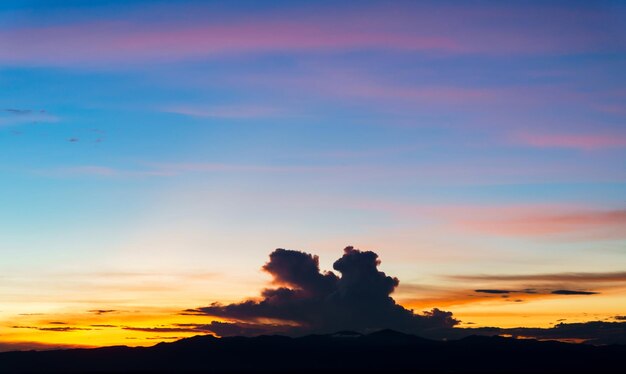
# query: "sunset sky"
[[154, 153]]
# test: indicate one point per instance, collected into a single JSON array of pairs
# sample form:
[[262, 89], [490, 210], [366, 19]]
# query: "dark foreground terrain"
[[385, 351]]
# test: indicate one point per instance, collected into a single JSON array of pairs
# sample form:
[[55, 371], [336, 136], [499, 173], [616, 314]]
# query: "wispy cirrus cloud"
[[610, 222], [115, 41], [21, 116], [559, 221], [224, 111], [618, 276], [573, 141], [539, 221], [502, 289], [53, 329], [546, 285], [401, 27]]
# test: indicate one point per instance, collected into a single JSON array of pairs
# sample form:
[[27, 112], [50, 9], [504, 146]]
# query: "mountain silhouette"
[[345, 351]]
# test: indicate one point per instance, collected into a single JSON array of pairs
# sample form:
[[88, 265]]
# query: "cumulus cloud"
[[306, 300]]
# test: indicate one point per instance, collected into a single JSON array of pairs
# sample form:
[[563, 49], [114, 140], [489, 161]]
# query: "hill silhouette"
[[382, 351]]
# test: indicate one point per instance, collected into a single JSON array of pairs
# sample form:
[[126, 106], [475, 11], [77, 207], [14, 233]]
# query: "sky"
[[153, 154]]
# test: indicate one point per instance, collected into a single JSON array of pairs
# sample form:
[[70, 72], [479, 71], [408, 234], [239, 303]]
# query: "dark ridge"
[[347, 334], [385, 351]]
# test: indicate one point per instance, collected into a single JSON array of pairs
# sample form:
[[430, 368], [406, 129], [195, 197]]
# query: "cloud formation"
[[573, 141], [532, 291], [101, 311], [192, 31], [19, 116], [493, 291], [307, 300], [592, 332], [573, 292], [616, 276], [571, 223], [55, 329]]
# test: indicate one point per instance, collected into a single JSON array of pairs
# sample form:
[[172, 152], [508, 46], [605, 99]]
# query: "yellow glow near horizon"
[[116, 328]]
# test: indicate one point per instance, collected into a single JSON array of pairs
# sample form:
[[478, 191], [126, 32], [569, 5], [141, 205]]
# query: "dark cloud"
[[161, 329], [307, 300], [592, 332], [619, 276], [620, 318], [102, 311], [505, 293], [103, 325], [572, 292], [63, 329], [216, 327], [243, 329], [57, 323], [73, 140], [18, 111], [493, 291], [544, 285], [56, 329], [27, 346]]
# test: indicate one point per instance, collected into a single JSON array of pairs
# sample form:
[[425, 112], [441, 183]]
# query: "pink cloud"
[[497, 105], [565, 222], [576, 141], [133, 37], [558, 221], [104, 42]]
